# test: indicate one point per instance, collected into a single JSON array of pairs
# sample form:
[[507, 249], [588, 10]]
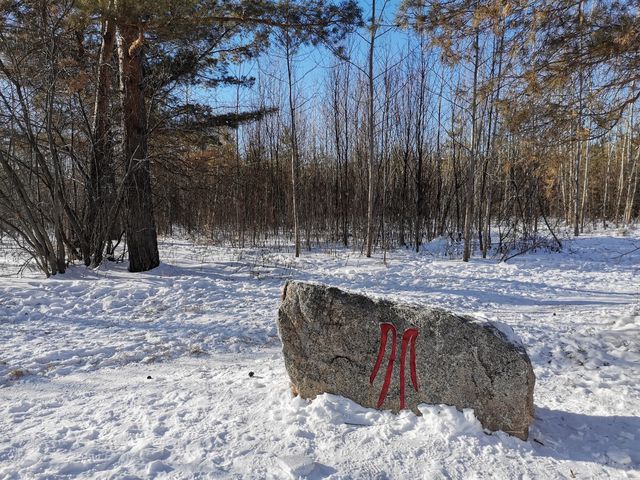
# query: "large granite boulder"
[[393, 356]]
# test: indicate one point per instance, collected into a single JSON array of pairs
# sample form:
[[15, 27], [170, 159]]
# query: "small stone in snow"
[[296, 465], [157, 467], [251, 374], [148, 377], [619, 456]]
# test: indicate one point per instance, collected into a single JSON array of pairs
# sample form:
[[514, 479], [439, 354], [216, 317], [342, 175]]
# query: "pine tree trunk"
[[139, 222]]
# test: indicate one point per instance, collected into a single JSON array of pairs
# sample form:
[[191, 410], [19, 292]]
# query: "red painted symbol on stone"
[[408, 338]]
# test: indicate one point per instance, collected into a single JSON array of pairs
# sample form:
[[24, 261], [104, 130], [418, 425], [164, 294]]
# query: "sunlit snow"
[[110, 374]]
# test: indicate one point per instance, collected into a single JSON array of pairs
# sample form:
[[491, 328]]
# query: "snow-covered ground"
[[106, 374]]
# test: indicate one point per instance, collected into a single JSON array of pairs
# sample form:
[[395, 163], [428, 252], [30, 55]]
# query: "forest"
[[320, 239], [502, 125]]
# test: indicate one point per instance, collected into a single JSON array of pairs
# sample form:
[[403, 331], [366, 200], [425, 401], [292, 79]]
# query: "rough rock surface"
[[332, 344]]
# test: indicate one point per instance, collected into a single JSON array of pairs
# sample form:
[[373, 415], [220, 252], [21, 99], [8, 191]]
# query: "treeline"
[[491, 126], [491, 122]]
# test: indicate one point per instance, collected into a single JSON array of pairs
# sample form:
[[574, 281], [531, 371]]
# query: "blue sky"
[[311, 64]]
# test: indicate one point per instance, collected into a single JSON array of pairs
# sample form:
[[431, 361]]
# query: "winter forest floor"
[[107, 374]]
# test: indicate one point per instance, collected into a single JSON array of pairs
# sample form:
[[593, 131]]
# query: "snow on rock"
[[506, 331], [86, 342]]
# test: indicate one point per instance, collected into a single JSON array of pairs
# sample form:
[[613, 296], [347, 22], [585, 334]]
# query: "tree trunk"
[[576, 191], [370, 159], [579, 132], [471, 170], [419, 139], [625, 153], [294, 148], [139, 222], [606, 185], [101, 184], [631, 190], [585, 187]]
